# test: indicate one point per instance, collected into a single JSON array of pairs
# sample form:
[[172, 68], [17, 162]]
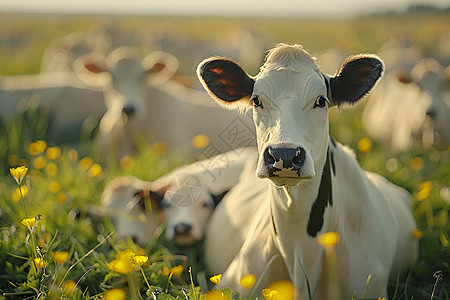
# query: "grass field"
[[79, 259]]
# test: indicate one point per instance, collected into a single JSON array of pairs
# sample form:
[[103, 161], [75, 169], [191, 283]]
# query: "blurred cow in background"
[[183, 199], [72, 107], [144, 105], [412, 102]]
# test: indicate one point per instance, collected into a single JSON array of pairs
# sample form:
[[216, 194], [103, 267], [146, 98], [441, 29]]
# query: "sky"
[[262, 8]]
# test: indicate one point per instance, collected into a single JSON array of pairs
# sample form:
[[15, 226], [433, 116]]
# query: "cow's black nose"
[[129, 110], [277, 159], [183, 228]]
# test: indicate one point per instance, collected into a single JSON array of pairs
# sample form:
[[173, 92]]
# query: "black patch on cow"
[[333, 166], [324, 197], [333, 141], [355, 78], [225, 79]]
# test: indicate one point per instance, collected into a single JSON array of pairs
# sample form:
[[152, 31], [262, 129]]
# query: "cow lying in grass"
[[183, 199], [312, 184]]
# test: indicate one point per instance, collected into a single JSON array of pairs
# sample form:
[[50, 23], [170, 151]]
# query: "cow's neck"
[[297, 214]]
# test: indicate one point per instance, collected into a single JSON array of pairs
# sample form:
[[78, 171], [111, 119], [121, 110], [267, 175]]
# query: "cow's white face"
[[290, 114], [186, 214], [290, 98]]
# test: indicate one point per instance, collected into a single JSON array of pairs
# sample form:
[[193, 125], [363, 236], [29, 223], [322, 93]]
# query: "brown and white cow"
[[311, 184]]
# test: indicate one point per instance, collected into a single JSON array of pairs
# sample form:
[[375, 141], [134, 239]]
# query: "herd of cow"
[[274, 179]]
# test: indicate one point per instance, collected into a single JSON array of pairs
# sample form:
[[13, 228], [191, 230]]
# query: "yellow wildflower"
[[29, 222], [281, 290], [200, 141], [19, 193], [53, 152], [38, 263], [86, 163], [269, 294], [126, 162], [18, 173], [216, 279], [416, 163], [123, 263], [60, 256], [214, 295], [95, 170], [248, 281], [54, 186], [39, 162], [47, 237], [329, 239], [115, 294], [177, 270], [51, 169], [364, 145], [417, 233], [37, 148], [160, 147], [381, 298], [121, 266], [424, 190], [140, 259], [68, 287], [61, 197]]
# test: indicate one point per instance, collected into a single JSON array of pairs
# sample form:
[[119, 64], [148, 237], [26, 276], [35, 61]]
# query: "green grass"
[[92, 245]]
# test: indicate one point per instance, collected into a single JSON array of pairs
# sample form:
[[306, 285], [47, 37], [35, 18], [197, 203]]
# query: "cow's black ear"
[[226, 82], [217, 198], [355, 78]]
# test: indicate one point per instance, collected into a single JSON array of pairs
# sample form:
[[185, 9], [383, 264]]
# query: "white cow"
[[312, 185], [411, 106], [68, 102], [144, 105], [184, 198]]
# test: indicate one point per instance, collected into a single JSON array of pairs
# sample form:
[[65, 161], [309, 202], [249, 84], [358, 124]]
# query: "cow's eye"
[[256, 102], [321, 101]]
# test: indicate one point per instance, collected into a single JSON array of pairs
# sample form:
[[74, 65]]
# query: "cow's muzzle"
[[284, 161]]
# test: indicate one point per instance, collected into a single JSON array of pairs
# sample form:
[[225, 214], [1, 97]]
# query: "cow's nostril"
[[269, 159], [183, 228], [299, 158], [129, 110]]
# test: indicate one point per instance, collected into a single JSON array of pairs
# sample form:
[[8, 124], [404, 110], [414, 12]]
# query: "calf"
[[184, 199], [312, 184]]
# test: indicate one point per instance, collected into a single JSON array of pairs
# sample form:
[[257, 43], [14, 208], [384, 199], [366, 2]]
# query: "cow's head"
[[124, 76], [290, 99], [185, 206]]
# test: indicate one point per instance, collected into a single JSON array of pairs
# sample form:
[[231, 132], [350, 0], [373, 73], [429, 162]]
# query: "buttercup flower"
[[53, 152], [68, 287], [417, 233], [140, 259], [95, 170], [124, 262], [38, 263], [37, 148], [269, 294], [216, 279], [177, 270], [248, 281], [329, 239], [29, 222], [115, 294], [200, 141], [60, 256], [18, 173], [424, 190], [364, 145], [281, 290], [214, 295]]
